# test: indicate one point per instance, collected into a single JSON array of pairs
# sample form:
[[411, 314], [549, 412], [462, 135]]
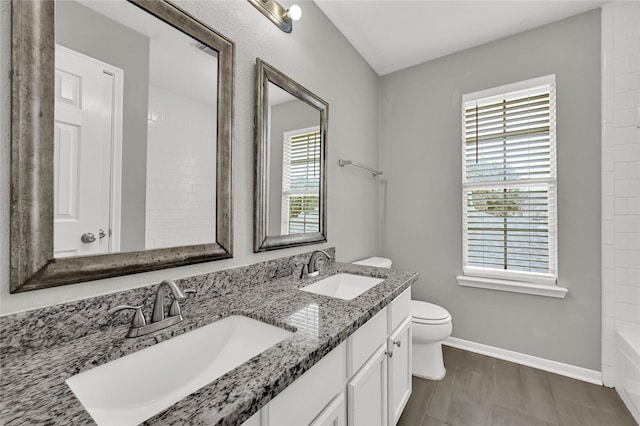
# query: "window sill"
[[513, 286]]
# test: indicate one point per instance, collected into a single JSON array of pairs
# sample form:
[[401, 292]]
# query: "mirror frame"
[[265, 74], [33, 266]]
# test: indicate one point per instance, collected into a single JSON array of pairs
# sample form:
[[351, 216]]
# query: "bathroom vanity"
[[344, 362], [366, 380]]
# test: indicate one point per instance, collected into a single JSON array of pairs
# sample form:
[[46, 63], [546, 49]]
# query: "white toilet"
[[430, 324]]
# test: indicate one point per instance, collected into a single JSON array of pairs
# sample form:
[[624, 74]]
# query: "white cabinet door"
[[399, 349], [333, 415], [367, 392]]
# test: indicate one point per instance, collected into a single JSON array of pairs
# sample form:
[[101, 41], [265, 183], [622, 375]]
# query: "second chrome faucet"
[[139, 326], [311, 269]]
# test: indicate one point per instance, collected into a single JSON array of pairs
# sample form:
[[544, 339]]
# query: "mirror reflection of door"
[[135, 131], [87, 138], [294, 165]]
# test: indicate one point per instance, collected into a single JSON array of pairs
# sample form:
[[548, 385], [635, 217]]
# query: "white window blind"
[[301, 181], [509, 182]]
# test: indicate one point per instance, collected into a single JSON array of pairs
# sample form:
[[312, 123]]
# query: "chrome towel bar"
[[374, 172]]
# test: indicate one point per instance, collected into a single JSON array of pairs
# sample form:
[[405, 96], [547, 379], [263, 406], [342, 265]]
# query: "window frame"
[[544, 284], [286, 192]]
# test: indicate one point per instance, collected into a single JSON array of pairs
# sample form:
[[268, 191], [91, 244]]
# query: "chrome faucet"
[[158, 305], [311, 270], [139, 326]]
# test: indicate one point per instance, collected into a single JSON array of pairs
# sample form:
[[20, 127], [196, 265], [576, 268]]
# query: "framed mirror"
[[290, 195], [121, 140]]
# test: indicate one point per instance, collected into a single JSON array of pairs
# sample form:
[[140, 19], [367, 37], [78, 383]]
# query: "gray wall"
[[421, 157], [292, 115], [317, 56], [92, 34]]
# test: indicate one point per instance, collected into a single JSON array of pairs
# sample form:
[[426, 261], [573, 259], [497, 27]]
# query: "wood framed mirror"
[[290, 195], [121, 140]]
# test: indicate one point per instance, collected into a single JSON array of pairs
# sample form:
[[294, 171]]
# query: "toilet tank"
[[379, 262]]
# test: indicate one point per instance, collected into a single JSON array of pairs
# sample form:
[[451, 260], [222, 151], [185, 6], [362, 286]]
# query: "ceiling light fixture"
[[277, 14]]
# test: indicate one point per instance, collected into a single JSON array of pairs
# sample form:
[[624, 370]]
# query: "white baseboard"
[[579, 373]]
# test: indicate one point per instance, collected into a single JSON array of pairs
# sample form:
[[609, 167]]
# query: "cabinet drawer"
[[399, 310], [305, 398], [363, 343]]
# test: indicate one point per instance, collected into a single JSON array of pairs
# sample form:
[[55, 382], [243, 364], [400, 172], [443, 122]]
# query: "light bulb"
[[294, 13]]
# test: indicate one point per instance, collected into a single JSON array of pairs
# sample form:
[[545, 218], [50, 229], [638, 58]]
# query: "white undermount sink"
[[343, 286], [133, 388]]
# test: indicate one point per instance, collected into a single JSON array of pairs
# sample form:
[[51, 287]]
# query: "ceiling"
[[394, 34]]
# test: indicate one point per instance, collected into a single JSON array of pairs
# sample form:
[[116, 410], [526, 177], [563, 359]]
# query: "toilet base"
[[427, 361], [431, 378]]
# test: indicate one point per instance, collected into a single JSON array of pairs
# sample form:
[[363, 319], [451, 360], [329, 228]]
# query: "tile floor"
[[479, 390]]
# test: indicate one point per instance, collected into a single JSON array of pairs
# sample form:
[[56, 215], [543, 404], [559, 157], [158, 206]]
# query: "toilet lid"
[[379, 262], [428, 311]]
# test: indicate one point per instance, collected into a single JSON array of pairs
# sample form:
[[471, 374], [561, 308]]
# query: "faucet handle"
[[138, 319], [305, 271], [175, 306]]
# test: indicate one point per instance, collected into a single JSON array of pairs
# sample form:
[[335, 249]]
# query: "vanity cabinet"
[[365, 381], [379, 390]]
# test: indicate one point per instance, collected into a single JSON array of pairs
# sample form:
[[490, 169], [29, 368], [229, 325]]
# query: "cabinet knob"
[[397, 343], [389, 353]]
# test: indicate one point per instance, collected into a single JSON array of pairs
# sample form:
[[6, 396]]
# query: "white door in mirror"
[[84, 133]]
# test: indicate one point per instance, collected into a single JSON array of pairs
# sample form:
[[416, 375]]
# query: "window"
[[509, 183], [301, 181]]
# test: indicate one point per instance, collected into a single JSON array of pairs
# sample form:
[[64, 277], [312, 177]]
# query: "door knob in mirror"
[[88, 237]]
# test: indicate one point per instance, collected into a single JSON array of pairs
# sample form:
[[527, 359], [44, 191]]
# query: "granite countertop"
[[33, 388]]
